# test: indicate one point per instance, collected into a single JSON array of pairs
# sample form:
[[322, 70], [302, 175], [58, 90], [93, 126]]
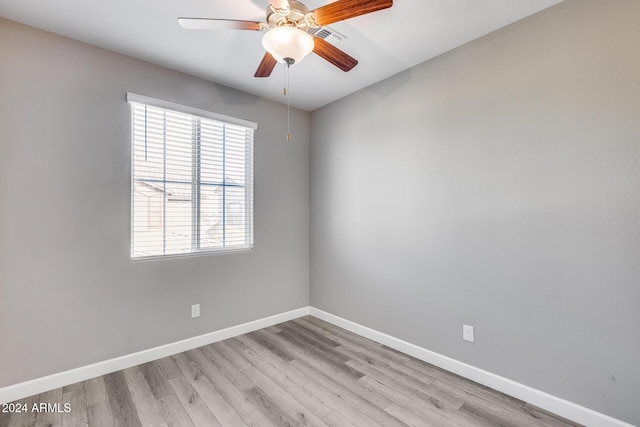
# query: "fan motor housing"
[[295, 17]]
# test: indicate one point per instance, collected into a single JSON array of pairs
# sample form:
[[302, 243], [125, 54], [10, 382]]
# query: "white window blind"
[[192, 180]]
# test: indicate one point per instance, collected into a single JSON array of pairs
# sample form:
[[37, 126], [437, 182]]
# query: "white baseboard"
[[50, 382], [556, 405]]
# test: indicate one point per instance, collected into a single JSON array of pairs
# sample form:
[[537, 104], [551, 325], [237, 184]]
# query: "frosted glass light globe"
[[287, 42]]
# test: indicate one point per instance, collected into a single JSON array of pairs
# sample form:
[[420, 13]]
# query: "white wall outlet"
[[195, 310], [468, 333]]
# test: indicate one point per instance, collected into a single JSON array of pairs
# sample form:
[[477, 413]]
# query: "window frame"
[[196, 116]]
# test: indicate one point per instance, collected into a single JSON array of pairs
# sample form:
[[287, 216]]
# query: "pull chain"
[[286, 93]]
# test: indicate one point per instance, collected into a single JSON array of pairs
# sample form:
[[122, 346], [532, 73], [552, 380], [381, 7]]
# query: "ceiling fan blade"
[[334, 55], [266, 66], [219, 24], [345, 9]]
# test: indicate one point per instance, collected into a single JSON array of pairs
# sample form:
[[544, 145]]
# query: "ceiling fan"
[[289, 22]]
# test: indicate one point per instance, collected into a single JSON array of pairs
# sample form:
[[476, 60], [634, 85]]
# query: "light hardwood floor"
[[305, 372]]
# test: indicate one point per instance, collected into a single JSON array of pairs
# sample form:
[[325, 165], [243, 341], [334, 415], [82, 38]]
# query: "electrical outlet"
[[195, 310], [468, 333]]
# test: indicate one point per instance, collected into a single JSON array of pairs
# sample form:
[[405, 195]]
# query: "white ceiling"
[[385, 42]]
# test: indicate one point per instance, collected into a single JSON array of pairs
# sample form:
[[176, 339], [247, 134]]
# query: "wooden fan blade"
[[266, 66], [218, 24], [334, 55], [345, 9]]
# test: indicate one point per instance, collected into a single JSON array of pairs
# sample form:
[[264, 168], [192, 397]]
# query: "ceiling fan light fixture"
[[288, 43]]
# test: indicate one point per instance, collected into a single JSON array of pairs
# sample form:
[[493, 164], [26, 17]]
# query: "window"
[[192, 180]]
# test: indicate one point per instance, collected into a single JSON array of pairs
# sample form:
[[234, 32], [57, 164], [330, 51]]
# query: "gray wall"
[[69, 295], [497, 185]]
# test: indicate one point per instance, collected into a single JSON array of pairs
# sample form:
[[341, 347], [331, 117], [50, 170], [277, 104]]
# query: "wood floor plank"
[[74, 396], [415, 389], [146, 404], [327, 371], [351, 393], [405, 404], [310, 333], [26, 417], [308, 323], [95, 391], [198, 411], [300, 413], [493, 397], [228, 353], [255, 355], [172, 410], [271, 346], [256, 418], [339, 406], [210, 395], [168, 368], [342, 335], [334, 418], [239, 379], [99, 414], [5, 418], [156, 380], [489, 411], [546, 417], [50, 412], [122, 407], [241, 346], [284, 380], [385, 364], [410, 418], [287, 377], [275, 329], [236, 398], [270, 409], [295, 336], [459, 382], [315, 357]]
